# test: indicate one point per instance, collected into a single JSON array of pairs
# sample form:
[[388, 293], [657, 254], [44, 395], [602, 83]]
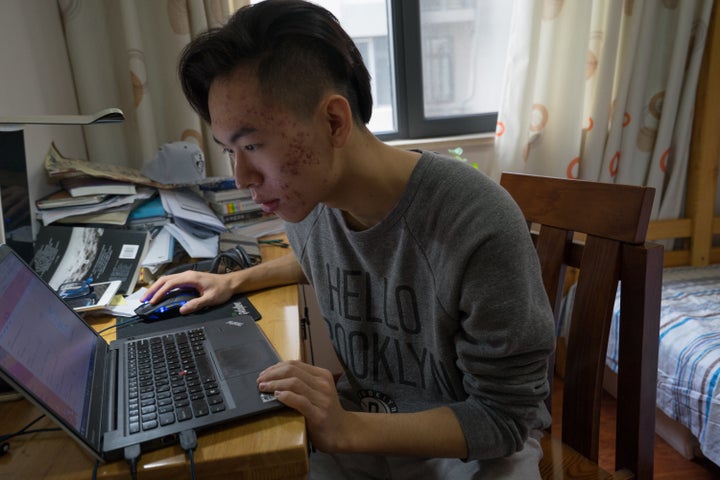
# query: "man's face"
[[286, 161]]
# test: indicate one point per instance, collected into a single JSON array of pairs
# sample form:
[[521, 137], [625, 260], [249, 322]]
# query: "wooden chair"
[[599, 228]]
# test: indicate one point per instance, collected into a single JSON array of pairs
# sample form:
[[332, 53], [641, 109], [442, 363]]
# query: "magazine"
[[80, 254]]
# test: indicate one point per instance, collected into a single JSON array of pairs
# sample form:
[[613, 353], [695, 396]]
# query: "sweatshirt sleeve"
[[505, 338]]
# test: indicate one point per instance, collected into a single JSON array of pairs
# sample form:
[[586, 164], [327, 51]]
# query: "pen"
[[276, 242]]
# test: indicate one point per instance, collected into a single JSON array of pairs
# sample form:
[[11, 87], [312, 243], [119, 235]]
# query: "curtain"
[[603, 90], [124, 53]]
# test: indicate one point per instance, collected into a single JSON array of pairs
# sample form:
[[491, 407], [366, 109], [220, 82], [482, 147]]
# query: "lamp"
[[15, 227], [109, 115]]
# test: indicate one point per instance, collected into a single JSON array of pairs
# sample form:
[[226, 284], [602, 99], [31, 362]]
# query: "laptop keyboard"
[[170, 380]]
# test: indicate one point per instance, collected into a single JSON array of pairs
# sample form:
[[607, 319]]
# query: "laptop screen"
[[44, 346]]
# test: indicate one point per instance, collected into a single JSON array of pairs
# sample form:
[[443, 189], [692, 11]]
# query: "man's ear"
[[339, 119]]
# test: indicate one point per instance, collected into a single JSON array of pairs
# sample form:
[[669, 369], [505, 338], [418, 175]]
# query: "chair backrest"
[[600, 228]]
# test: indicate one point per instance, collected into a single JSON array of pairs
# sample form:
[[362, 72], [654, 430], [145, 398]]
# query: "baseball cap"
[[177, 163]]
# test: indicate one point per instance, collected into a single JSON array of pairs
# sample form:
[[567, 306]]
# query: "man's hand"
[[214, 289], [311, 391]]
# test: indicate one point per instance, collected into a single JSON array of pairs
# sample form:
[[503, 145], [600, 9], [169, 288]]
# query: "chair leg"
[[641, 277]]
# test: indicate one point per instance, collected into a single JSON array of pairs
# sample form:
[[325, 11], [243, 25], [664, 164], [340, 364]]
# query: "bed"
[[688, 395], [688, 390]]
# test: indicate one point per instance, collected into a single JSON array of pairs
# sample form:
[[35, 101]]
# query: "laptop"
[[110, 396]]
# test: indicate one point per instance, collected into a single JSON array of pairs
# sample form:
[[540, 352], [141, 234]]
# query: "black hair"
[[298, 50]]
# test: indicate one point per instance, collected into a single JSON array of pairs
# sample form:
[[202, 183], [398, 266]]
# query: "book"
[[62, 198], [225, 195], [117, 216], [267, 225], [74, 254], [151, 209], [245, 217], [218, 183], [230, 207], [110, 204], [223, 189], [87, 185]]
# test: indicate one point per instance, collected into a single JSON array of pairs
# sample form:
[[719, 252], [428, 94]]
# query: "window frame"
[[409, 103]]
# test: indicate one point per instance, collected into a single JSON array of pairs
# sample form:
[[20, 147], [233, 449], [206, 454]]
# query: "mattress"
[[689, 351]]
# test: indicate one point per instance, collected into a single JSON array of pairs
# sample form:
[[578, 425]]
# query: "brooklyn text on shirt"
[[395, 349]]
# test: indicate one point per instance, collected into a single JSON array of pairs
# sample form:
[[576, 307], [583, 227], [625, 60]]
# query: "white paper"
[[161, 249], [185, 204], [194, 246]]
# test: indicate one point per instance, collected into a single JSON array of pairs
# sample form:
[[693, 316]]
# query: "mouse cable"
[[5, 445], [132, 453], [188, 442], [22, 430], [119, 325]]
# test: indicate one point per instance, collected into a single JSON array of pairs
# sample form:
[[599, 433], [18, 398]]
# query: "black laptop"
[[141, 390]]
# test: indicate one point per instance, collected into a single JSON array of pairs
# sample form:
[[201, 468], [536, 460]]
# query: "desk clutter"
[[106, 222]]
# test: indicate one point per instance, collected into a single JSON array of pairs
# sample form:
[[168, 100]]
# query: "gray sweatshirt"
[[441, 303]]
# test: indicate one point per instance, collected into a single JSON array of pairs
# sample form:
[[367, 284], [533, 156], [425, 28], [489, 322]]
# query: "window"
[[436, 65]]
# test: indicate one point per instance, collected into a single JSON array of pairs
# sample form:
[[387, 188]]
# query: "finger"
[[165, 284], [310, 383], [288, 369], [298, 402], [194, 305], [155, 288]]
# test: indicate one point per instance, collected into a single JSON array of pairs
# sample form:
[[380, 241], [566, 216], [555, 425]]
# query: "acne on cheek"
[[295, 197]]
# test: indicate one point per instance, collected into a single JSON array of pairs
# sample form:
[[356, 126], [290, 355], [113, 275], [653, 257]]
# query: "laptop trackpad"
[[234, 362]]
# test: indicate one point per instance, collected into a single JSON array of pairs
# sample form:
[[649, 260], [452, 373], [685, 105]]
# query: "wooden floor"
[[669, 464]]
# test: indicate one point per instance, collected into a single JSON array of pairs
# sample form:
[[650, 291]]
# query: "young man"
[[424, 270]]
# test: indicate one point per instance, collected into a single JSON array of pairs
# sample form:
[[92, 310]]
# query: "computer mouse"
[[168, 307]]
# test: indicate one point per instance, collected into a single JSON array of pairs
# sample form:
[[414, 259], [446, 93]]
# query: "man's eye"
[[249, 148]]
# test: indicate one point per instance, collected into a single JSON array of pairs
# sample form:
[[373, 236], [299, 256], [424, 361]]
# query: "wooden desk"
[[271, 446]]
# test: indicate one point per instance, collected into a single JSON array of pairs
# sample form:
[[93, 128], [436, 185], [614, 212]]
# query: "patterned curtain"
[[124, 53], [603, 90]]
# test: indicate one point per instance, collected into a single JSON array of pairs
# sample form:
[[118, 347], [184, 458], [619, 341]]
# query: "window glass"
[[464, 44]]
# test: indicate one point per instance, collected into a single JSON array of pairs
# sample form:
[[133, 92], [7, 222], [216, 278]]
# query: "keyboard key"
[[167, 419], [149, 425], [148, 417], [200, 408], [183, 413]]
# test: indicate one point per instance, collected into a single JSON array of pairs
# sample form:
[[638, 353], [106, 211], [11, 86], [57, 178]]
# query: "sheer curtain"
[[603, 90], [124, 53]]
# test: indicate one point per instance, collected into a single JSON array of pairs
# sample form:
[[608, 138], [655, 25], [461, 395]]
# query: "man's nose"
[[246, 175]]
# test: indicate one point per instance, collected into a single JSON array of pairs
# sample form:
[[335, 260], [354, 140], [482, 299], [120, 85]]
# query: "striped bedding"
[[689, 351]]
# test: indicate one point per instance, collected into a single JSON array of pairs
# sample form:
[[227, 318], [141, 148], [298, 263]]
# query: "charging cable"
[[132, 453], [188, 442]]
